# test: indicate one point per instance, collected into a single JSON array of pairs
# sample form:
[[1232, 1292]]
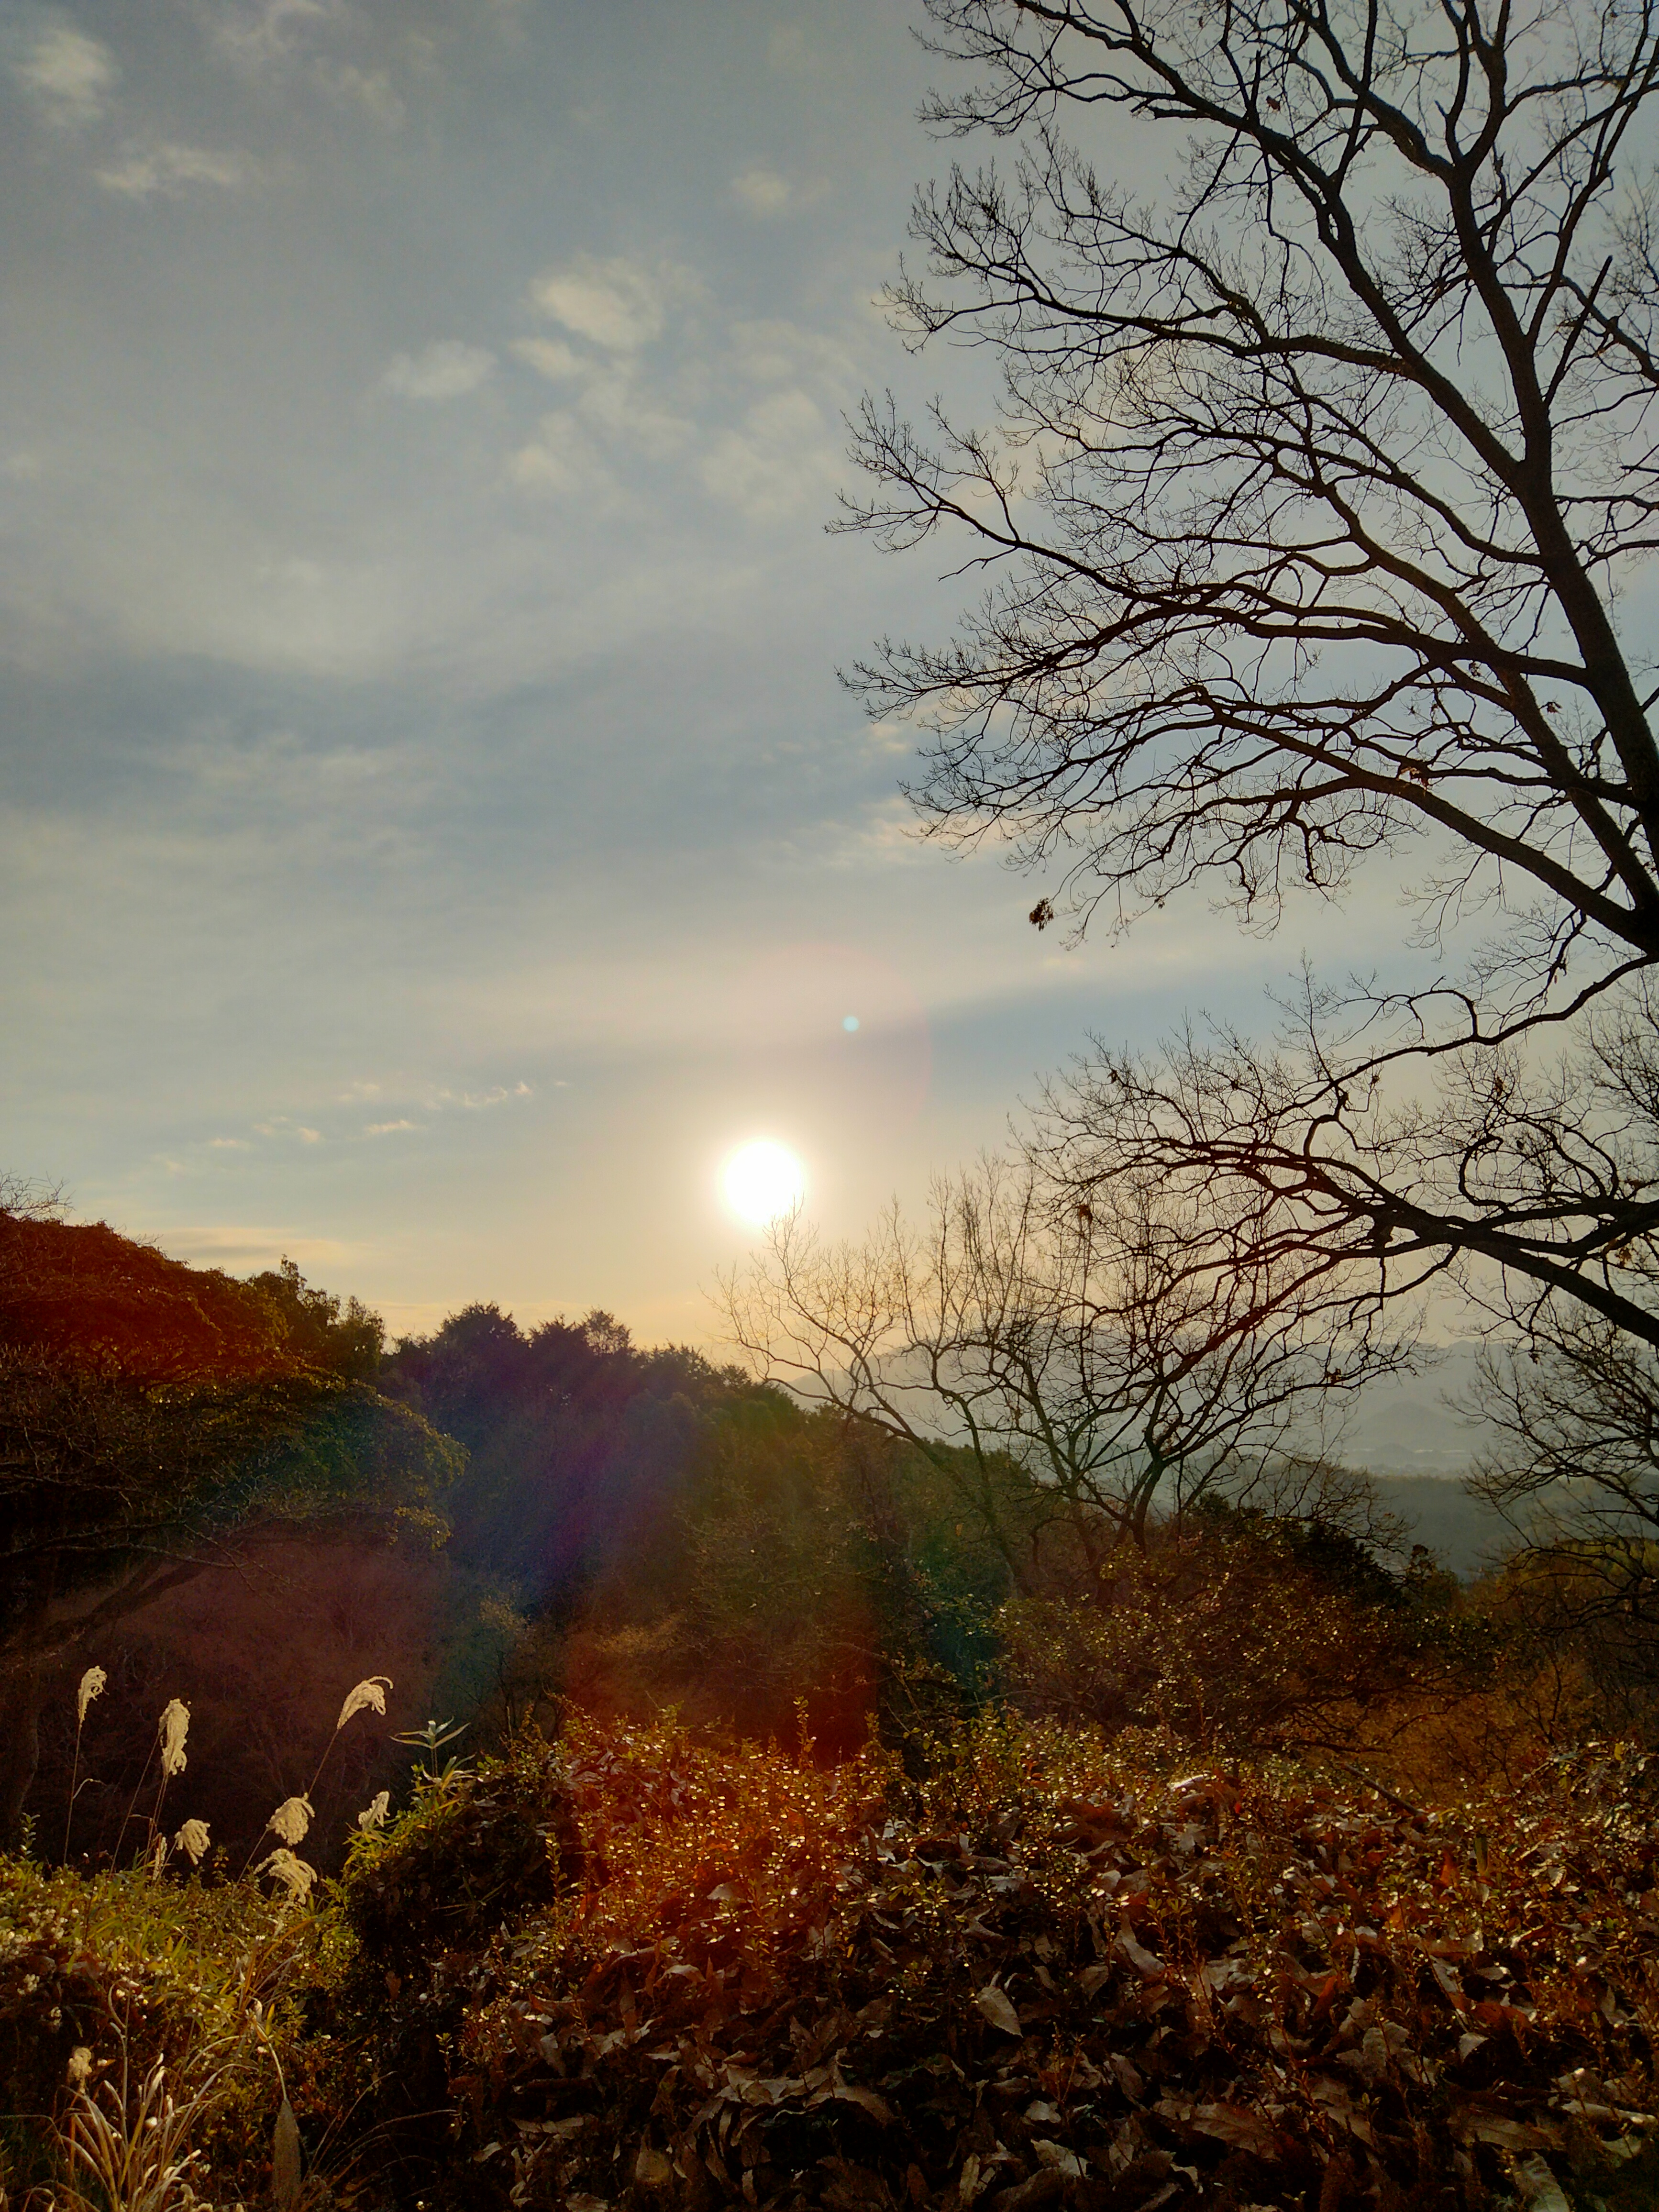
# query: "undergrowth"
[[1023, 1966]]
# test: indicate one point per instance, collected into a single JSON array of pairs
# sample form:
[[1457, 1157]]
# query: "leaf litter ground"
[[1052, 1973]]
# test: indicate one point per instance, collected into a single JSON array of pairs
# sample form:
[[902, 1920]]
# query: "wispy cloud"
[[371, 90], [281, 1125], [763, 191], [563, 459], [255, 34], [782, 456], [69, 75], [242, 1247], [449, 368], [778, 351], [617, 414], [549, 357], [479, 1101], [616, 405], [617, 303], [170, 169], [285, 1128], [767, 193]]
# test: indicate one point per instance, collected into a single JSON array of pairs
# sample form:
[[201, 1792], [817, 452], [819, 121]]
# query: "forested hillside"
[[927, 1849], [232, 1492]]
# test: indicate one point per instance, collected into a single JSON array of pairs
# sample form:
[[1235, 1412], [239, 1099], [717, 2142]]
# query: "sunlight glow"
[[762, 1180]]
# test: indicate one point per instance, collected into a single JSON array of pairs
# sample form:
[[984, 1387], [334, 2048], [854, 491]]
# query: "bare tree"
[[1059, 1364], [1318, 474], [1575, 1470]]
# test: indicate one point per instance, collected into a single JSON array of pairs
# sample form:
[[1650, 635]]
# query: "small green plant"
[[431, 1740]]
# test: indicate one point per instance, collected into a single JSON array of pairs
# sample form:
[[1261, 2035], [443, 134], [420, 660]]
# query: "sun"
[[762, 1180]]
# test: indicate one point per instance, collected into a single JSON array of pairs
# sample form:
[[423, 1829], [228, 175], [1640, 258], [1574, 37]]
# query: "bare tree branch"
[[1026, 1331], [1317, 476]]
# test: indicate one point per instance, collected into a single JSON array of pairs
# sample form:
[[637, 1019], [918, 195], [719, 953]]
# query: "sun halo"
[[762, 1180]]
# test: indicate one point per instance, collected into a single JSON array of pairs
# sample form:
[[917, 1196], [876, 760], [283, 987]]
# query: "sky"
[[432, 831]]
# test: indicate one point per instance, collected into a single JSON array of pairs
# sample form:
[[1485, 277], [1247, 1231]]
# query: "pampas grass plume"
[[294, 1875], [173, 1727], [92, 1683], [192, 1840], [374, 1814], [370, 1691], [291, 1818]]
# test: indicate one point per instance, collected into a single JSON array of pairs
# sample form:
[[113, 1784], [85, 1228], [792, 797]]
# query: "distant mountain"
[[1419, 1449], [1406, 1428], [1463, 1533]]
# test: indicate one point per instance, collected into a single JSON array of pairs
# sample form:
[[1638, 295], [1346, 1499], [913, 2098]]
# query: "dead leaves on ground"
[[1208, 1989]]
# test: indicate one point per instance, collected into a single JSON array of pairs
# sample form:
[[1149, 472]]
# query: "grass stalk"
[[90, 1686], [115, 1855], [126, 2148], [75, 1772]]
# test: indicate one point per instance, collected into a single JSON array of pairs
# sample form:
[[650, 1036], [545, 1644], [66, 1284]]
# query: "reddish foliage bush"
[[79, 1293], [1054, 1972]]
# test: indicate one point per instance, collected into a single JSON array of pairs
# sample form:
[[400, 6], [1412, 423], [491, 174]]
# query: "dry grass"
[[127, 2145]]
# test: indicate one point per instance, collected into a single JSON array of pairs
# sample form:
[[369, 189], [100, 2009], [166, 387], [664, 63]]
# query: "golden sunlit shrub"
[[106, 1977], [1058, 1966], [1238, 1643]]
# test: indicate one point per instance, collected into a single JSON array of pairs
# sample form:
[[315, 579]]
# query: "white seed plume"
[[92, 1684], [173, 1726], [374, 1814], [80, 2066], [296, 1876], [158, 1857], [372, 1692], [192, 1840], [291, 1818]]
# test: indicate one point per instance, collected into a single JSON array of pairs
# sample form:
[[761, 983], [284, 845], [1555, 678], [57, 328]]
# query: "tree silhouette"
[[1058, 1365], [157, 1420], [1318, 475]]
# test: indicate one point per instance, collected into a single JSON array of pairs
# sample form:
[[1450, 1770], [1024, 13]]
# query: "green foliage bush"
[[474, 1858]]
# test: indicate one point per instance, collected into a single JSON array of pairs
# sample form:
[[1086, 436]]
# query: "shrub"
[[1262, 1640], [135, 1974], [1057, 1969]]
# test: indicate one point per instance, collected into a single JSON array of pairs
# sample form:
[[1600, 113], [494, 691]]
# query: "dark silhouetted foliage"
[[157, 1420]]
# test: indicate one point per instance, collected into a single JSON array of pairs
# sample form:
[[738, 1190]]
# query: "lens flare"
[[762, 1180]]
